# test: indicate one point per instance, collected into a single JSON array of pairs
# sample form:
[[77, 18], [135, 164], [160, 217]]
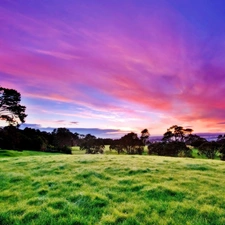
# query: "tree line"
[[176, 141], [59, 140]]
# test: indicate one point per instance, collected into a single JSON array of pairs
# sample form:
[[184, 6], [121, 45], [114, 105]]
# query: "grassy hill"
[[111, 189]]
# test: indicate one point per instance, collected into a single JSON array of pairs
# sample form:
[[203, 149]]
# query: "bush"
[[209, 149], [65, 149]]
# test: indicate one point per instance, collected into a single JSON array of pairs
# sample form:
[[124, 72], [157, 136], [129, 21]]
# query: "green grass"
[[14, 153], [111, 189], [76, 151], [197, 156]]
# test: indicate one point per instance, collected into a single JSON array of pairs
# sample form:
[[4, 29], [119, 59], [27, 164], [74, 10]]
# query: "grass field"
[[13, 153], [111, 189]]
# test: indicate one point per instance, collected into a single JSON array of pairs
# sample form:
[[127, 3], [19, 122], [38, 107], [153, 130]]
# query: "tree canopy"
[[129, 143], [92, 145], [145, 136], [10, 109], [176, 133]]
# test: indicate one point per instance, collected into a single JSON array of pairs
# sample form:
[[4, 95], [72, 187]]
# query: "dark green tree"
[[132, 144], [10, 109], [175, 148], [221, 144], [209, 149], [33, 139], [222, 152], [115, 145], [173, 143], [129, 143], [92, 145], [10, 138], [63, 139]]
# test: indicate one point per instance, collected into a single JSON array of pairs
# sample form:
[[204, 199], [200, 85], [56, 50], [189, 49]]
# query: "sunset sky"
[[116, 66]]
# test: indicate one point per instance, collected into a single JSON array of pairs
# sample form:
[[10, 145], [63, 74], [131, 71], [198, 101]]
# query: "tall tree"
[[10, 109], [176, 133], [62, 137], [92, 145], [194, 140], [131, 144], [145, 136]]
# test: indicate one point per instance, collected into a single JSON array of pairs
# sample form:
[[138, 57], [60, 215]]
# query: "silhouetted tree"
[[132, 144], [10, 109], [173, 143], [107, 141], [168, 136], [176, 133], [145, 136], [129, 143], [195, 140], [10, 138], [34, 139], [76, 138], [221, 139]]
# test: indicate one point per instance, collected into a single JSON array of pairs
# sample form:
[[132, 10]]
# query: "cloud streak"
[[94, 62]]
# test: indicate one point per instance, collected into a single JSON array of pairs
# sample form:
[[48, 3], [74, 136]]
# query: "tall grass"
[[111, 189]]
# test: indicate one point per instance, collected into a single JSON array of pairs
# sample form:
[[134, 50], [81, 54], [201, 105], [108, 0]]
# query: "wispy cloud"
[[101, 66], [73, 122], [223, 123]]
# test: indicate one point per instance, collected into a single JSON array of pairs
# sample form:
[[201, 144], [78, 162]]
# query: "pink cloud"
[[103, 63]]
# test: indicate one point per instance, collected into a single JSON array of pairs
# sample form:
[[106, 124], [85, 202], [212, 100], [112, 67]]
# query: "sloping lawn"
[[111, 189]]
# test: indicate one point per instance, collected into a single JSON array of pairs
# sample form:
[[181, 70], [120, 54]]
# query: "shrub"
[[65, 149]]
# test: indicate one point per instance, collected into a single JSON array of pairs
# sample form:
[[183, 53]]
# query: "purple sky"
[[116, 65]]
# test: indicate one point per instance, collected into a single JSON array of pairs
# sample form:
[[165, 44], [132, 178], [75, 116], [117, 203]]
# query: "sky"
[[116, 66]]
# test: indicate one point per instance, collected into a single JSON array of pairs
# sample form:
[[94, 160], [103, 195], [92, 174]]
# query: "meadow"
[[111, 189]]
